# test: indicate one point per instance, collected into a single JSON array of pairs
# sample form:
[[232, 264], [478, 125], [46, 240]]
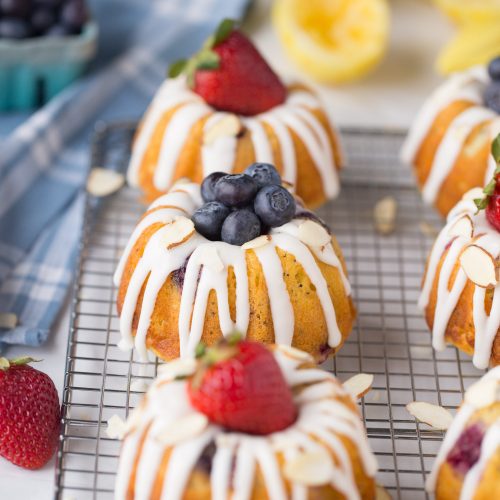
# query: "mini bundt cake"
[[246, 421], [468, 464], [448, 145], [461, 290], [229, 114], [250, 258]]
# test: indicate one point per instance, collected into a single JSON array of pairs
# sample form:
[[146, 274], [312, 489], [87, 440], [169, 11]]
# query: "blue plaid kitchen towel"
[[44, 160]]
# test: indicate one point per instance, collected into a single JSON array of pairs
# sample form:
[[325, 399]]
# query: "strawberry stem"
[[5, 363]]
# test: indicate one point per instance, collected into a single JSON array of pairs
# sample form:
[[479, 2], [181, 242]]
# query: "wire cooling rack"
[[390, 339]]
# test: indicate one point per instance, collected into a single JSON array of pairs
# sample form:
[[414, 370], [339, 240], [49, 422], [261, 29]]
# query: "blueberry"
[[274, 205], [74, 15], [208, 184], [16, 8], [264, 174], [42, 19], [209, 218], [14, 28], [58, 30], [240, 226], [492, 96], [494, 69], [236, 190]]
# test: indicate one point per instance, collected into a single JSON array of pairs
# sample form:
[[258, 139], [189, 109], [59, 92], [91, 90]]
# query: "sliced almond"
[[139, 385], [313, 468], [428, 229], [473, 194], [258, 242], [227, 126], [116, 428], [180, 181], [211, 259], [479, 266], [483, 393], [135, 418], [381, 493], [8, 320], [384, 215], [185, 428], [295, 354], [313, 234], [436, 416], [178, 231], [103, 182], [359, 384], [462, 227], [181, 367]]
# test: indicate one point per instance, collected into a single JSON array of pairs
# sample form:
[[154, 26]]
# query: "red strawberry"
[[493, 207], [240, 386], [231, 75], [29, 414]]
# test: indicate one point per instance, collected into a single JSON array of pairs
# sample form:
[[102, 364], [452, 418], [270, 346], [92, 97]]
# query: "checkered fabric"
[[44, 160]]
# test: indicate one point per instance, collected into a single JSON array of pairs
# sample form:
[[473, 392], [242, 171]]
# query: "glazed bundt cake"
[[245, 421], [468, 463], [461, 290], [449, 143], [226, 108], [250, 258]]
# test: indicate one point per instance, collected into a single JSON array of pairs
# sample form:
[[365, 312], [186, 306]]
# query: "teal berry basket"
[[34, 70]]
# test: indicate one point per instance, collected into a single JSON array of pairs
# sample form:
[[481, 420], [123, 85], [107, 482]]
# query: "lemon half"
[[333, 40]]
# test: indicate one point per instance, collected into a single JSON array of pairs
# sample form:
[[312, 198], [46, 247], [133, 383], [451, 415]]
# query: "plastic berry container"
[[34, 70]]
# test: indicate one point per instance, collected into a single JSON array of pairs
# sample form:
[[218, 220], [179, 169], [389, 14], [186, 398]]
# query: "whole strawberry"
[[29, 414], [493, 207], [231, 75], [239, 385]]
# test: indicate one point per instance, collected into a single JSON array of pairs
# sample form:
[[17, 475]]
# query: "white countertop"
[[389, 97]]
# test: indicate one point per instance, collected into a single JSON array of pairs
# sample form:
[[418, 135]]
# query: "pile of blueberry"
[[492, 92], [241, 207], [32, 18]]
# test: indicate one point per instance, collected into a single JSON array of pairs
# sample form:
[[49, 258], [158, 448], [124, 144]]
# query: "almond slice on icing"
[[295, 354], [103, 182], [473, 194], [227, 126], [8, 320], [116, 428], [384, 215], [436, 416], [313, 468], [359, 384], [381, 493], [180, 367], [185, 428], [479, 266], [462, 227], [178, 231], [483, 393], [258, 242], [211, 259], [313, 234]]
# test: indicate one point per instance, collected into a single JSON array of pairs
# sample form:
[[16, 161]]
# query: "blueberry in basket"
[[240, 207]]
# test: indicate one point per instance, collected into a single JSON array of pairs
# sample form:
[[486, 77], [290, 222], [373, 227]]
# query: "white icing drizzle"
[[238, 455], [489, 445], [158, 262], [486, 326], [296, 114], [468, 86]]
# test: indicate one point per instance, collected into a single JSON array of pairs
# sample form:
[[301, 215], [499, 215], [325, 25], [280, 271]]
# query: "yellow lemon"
[[466, 11], [473, 44], [333, 40]]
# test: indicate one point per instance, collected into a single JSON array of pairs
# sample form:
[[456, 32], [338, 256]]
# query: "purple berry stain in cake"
[[467, 449]]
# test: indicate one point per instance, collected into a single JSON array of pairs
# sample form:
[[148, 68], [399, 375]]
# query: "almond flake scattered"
[[473, 194], [462, 227], [381, 493], [103, 182], [436, 416], [428, 229], [185, 428], [180, 367], [8, 320], [483, 393], [117, 427], [178, 231], [359, 384], [313, 468], [384, 215], [228, 125], [313, 234], [295, 354], [139, 385], [210, 258], [258, 242], [479, 266]]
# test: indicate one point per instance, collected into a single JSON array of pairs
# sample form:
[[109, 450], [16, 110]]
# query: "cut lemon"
[[474, 44], [333, 40], [466, 11]]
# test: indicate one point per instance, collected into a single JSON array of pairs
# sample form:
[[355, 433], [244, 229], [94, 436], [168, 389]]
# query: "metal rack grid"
[[390, 339]]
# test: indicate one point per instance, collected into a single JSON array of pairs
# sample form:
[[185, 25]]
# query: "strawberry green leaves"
[[482, 203]]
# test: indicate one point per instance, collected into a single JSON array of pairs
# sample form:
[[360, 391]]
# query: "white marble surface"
[[389, 97]]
